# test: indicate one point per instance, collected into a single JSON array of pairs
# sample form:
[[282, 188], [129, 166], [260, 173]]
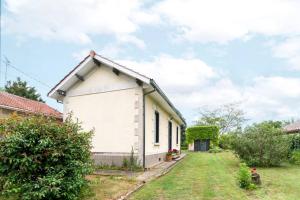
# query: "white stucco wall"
[[191, 147], [151, 148], [109, 104]]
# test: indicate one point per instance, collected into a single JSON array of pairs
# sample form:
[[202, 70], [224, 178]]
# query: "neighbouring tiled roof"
[[14, 102], [293, 128]]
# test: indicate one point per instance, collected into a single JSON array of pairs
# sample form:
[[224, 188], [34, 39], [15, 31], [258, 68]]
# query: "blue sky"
[[202, 53]]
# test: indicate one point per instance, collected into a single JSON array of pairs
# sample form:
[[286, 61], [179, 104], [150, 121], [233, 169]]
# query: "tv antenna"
[[7, 63]]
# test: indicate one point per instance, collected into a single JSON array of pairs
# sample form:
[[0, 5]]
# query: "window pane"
[[156, 127], [177, 135]]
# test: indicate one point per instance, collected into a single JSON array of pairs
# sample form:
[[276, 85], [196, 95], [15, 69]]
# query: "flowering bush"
[[175, 151], [170, 152]]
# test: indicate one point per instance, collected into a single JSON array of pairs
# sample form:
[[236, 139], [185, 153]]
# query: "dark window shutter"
[[177, 135], [156, 127]]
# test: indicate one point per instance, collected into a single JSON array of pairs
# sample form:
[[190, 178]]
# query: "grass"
[[204, 176], [213, 176], [108, 187], [103, 187]]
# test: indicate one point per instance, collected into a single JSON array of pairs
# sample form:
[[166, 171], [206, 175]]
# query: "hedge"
[[42, 159], [202, 133], [295, 141]]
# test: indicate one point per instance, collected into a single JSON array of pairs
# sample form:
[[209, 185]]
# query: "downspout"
[[144, 126]]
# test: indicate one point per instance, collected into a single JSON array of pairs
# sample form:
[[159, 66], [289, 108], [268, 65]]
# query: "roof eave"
[[162, 94], [30, 112], [103, 60]]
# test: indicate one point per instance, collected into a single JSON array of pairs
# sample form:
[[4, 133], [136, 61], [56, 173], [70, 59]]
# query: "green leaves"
[[20, 88], [295, 157], [41, 158], [244, 176], [201, 133], [262, 144]]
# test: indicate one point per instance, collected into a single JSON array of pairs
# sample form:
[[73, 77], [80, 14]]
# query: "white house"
[[126, 110]]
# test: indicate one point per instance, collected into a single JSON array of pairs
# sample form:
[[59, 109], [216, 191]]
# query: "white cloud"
[[175, 74], [132, 39], [289, 49], [273, 98], [223, 21], [76, 20], [113, 50], [191, 84]]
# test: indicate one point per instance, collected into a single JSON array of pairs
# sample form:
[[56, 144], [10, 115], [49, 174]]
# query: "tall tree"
[[20, 88], [228, 117]]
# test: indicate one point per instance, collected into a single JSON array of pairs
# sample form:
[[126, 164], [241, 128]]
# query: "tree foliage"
[[21, 88], [295, 141], [41, 158], [226, 140], [202, 133], [263, 144], [228, 117]]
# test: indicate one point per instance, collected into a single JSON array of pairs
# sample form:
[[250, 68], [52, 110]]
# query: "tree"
[[228, 117], [263, 144], [20, 88]]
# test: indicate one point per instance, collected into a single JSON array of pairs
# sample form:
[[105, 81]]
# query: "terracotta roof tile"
[[294, 127], [15, 102]]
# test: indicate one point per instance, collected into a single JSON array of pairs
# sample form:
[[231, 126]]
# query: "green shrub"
[[226, 140], [202, 133], [244, 176], [41, 158], [295, 141], [295, 158], [184, 145], [125, 163], [262, 144], [215, 149], [2, 181]]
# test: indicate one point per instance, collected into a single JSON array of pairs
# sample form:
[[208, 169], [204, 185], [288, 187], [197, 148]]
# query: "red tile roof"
[[293, 128], [14, 102]]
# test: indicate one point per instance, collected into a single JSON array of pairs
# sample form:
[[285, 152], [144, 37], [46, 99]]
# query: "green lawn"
[[103, 188], [212, 176]]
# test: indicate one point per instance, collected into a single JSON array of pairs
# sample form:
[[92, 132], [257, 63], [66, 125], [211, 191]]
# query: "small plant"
[[170, 152], [125, 163], [169, 155], [215, 150], [244, 176], [132, 163], [175, 151], [295, 158], [107, 167]]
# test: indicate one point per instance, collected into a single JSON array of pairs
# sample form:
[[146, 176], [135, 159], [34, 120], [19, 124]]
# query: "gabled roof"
[[293, 128], [89, 63], [21, 104]]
